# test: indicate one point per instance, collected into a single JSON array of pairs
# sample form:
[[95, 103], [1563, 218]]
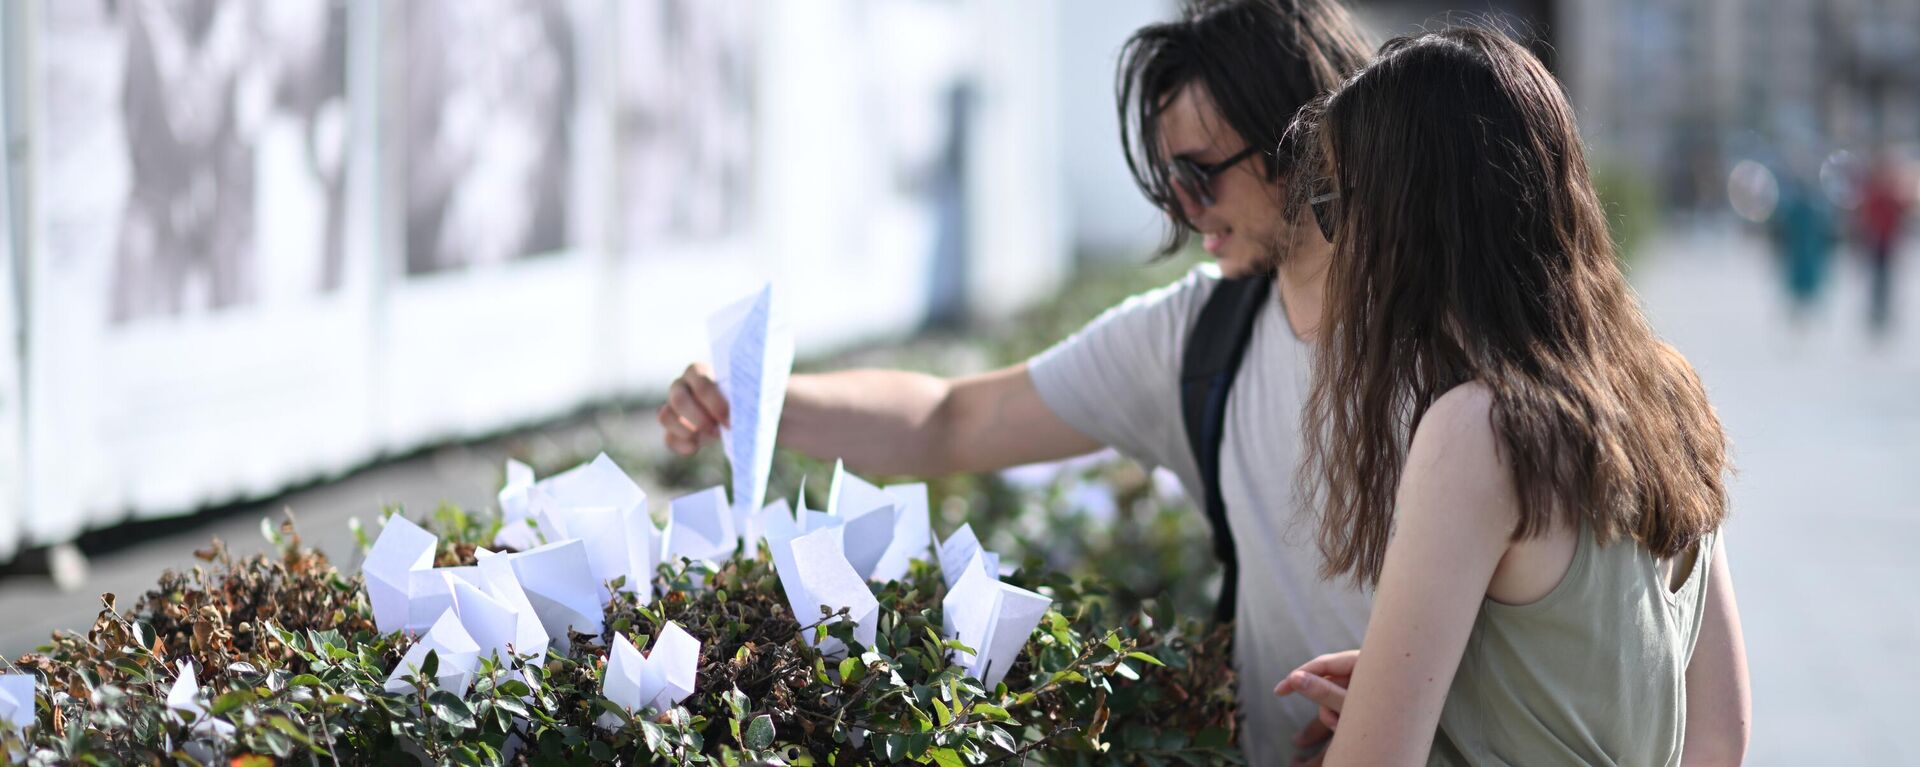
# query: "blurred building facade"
[[1680, 90]]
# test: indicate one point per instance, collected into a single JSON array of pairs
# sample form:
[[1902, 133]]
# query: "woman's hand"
[[1322, 680]]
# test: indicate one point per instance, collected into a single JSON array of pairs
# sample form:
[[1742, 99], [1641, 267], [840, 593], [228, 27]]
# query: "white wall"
[[162, 415], [1108, 215]]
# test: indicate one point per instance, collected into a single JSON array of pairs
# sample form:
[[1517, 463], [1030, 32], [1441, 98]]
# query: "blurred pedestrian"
[[1883, 203], [1802, 230]]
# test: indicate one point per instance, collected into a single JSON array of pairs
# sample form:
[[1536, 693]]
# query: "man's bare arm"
[[893, 422]]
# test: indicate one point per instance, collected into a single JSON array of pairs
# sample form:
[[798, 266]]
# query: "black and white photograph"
[[686, 120], [201, 153], [489, 135]]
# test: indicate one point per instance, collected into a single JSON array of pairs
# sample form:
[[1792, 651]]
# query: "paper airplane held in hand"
[[656, 681], [752, 346]]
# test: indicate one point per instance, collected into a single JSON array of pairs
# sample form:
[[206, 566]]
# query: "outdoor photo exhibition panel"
[[198, 323]]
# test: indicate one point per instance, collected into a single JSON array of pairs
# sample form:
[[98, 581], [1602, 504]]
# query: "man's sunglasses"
[[1323, 198], [1197, 180]]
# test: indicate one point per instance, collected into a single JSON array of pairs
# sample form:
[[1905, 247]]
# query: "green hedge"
[[288, 654]]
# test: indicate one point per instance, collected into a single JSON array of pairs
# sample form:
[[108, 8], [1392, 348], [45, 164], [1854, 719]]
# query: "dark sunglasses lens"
[[1193, 182]]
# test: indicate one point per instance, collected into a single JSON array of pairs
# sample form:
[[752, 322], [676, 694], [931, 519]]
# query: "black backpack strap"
[[1215, 346]]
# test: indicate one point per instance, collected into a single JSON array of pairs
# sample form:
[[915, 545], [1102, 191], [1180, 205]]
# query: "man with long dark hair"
[[1206, 376]]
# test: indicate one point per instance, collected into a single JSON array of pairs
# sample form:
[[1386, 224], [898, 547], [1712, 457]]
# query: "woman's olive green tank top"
[[1592, 674]]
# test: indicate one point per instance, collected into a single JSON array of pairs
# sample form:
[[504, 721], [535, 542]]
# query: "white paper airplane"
[[560, 587], [657, 681], [814, 572], [516, 529], [17, 711], [184, 696], [991, 617], [752, 347], [956, 553], [403, 547], [700, 526], [458, 657]]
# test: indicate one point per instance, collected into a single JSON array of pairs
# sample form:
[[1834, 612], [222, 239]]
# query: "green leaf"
[[1145, 658], [940, 710], [231, 701], [851, 670], [760, 733], [946, 757], [451, 709]]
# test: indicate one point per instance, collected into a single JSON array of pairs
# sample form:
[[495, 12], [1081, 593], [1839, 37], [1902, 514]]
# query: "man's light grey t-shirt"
[[1118, 381]]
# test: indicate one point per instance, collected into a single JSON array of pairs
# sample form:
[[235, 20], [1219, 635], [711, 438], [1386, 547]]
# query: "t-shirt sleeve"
[[1117, 379]]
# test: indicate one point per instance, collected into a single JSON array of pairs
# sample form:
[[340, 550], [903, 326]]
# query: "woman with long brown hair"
[[1500, 446]]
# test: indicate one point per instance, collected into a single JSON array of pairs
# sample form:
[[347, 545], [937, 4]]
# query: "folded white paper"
[[752, 345], [870, 514], [957, 553], [597, 483], [515, 530], [621, 544], [656, 681], [402, 548], [815, 574], [494, 626], [912, 532], [430, 593], [184, 696], [700, 526], [991, 617], [17, 711], [778, 520], [529, 636], [458, 654], [559, 585]]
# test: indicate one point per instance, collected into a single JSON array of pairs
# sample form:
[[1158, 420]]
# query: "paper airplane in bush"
[[184, 696], [815, 574], [886, 528], [402, 549], [560, 587], [457, 655], [700, 526], [991, 617], [752, 346], [529, 636], [957, 554], [516, 524], [430, 593], [621, 545], [780, 519], [16, 700], [658, 680], [596, 483]]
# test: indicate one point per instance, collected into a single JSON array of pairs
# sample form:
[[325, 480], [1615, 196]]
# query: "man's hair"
[[1470, 246], [1259, 61]]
